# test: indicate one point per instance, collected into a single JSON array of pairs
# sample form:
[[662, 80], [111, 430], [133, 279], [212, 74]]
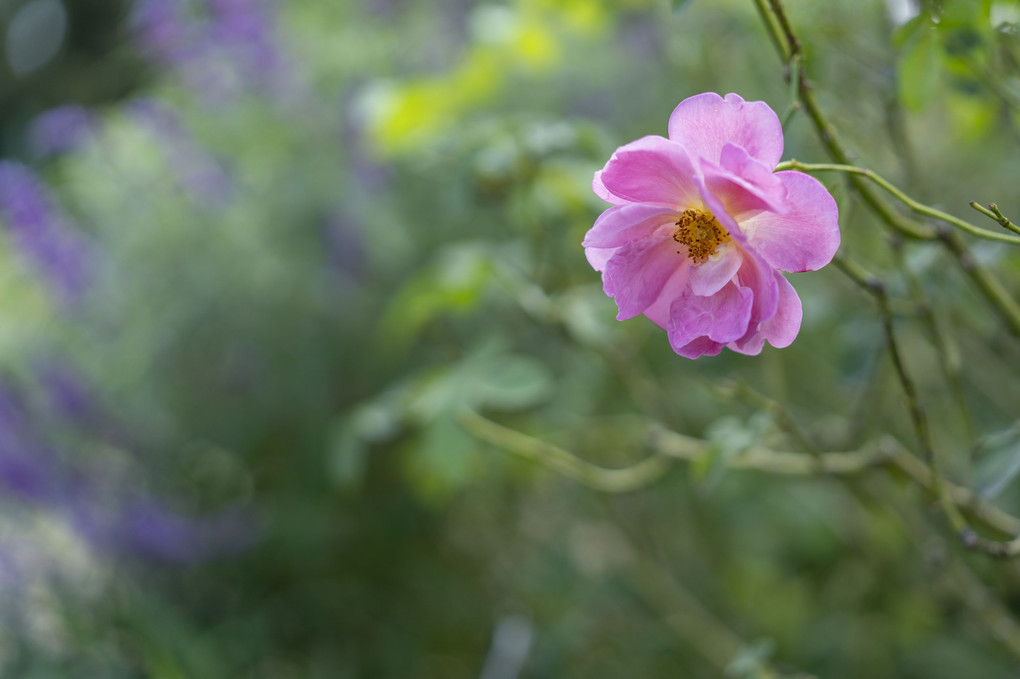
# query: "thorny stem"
[[794, 78], [772, 25], [609, 480], [938, 485], [945, 346], [993, 213], [669, 446], [988, 284], [788, 46]]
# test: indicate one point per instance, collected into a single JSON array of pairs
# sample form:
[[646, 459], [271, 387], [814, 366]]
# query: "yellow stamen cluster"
[[701, 233]]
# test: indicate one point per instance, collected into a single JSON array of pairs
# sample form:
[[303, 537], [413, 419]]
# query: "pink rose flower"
[[701, 227]]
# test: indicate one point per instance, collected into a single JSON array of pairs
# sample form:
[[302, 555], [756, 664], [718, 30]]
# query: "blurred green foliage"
[[302, 273]]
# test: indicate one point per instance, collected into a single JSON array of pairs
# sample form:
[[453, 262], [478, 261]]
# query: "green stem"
[[671, 446], [609, 480], [917, 207], [789, 48], [993, 213], [988, 284]]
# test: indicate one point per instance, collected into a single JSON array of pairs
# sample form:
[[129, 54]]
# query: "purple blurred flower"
[[248, 28], [197, 170], [102, 502], [150, 530], [60, 130], [28, 470], [42, 231], [68, 395], [165, 30], [214, 43]]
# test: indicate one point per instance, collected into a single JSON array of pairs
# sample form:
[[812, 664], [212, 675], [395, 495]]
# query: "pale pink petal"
[[718, 209], [699, 347], [598, 257], [675, 286], [756, 275], [625, 223], [708, 277], [651, 170], [782, 329], [704, 123], [743, 184], [721, 317], [602, 192], [806, 237], [751, 346], [637, 273]]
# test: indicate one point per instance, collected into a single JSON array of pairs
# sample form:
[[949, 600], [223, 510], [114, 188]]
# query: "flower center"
[[701, 233]]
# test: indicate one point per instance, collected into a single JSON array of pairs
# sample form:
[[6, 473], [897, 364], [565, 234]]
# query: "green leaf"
[[453, 284], [910, 30], [443, 459], [919, 69], [679, 5]]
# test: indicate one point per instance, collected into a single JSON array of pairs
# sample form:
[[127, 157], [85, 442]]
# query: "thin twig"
[[993, 213], [914, 205], [789, 47], [609, 480], [988, 284], [945, 346], [919, 419], [671, 446]]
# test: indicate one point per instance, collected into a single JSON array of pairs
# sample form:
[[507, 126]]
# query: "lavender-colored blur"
[[151, 530], [60, 130], [216, 45], [27, 467], [165, 30], [42, 231], [108, 513], [197, 171]]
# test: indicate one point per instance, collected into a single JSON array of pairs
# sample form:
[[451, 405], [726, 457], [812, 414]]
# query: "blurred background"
[[256, 258]]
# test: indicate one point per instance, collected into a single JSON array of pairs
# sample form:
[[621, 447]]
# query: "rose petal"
[[718, 209], [636, 274], [756, 275], [782, 328], [704, 123], [806, 237], [598, 257], [743, 184], [602, 192], [658, 311], [625, 223], [721, 317], [699, 347], [708, 277], [651, 170]]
